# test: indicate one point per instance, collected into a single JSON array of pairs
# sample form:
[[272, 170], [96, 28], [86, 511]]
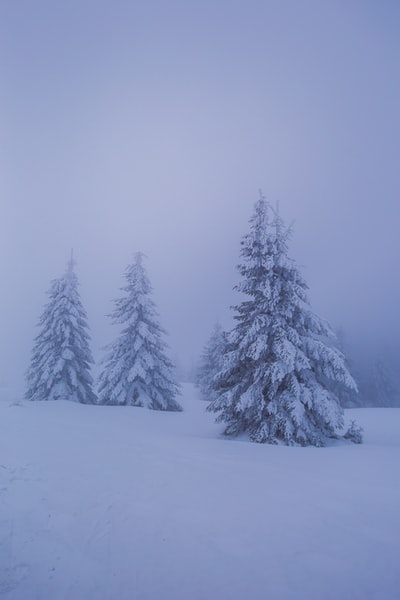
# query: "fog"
[[150, 126]]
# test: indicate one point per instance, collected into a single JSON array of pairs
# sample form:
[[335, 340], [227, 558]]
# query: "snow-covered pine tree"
[[211, 362], [280, 358], [61, 356], [136, 369]]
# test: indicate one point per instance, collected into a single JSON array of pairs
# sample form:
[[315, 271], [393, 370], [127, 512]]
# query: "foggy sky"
[[150, 126]]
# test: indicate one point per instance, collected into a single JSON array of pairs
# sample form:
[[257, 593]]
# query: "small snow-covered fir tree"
[[280, 359], [136, 369], [211, 362], [61, 356]]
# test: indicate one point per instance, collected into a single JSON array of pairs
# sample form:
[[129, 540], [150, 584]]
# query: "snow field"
[[123, 503]]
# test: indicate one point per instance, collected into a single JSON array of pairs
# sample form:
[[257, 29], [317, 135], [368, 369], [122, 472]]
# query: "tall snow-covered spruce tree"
[[136, 369], [280, 361], [61, 356]]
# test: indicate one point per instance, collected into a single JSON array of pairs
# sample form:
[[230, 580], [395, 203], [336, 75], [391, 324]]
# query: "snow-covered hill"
[[121, 503]]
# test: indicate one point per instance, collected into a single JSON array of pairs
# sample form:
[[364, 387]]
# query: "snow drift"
[[122, 503]]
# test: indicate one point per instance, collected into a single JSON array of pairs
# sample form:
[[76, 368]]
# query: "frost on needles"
[[281, 368], [136, 370], [61, 356]]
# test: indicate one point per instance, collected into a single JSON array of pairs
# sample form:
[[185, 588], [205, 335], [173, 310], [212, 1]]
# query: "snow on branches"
[[280, 365], [61, 356], [136, 368]]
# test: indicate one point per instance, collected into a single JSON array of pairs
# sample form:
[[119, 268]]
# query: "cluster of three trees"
[[275, 376], [136, 369]]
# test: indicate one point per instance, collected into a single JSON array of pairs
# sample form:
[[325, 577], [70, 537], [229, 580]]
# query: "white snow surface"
[[124, 503]]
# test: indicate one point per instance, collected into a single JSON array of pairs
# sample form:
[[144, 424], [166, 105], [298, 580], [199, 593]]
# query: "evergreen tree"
[[280, 360], [61, 356], [136, 370], [380, 389], [211, 362]]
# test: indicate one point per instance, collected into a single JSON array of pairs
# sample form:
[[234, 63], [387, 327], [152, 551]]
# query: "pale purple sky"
[[150, 126]]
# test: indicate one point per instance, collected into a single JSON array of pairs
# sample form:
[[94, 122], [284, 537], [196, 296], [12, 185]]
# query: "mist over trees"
[[378, 383], [376, 375], [211, 362], [280, 374]]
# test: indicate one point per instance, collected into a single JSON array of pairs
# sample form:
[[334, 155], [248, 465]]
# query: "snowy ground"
[[119, 503]]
